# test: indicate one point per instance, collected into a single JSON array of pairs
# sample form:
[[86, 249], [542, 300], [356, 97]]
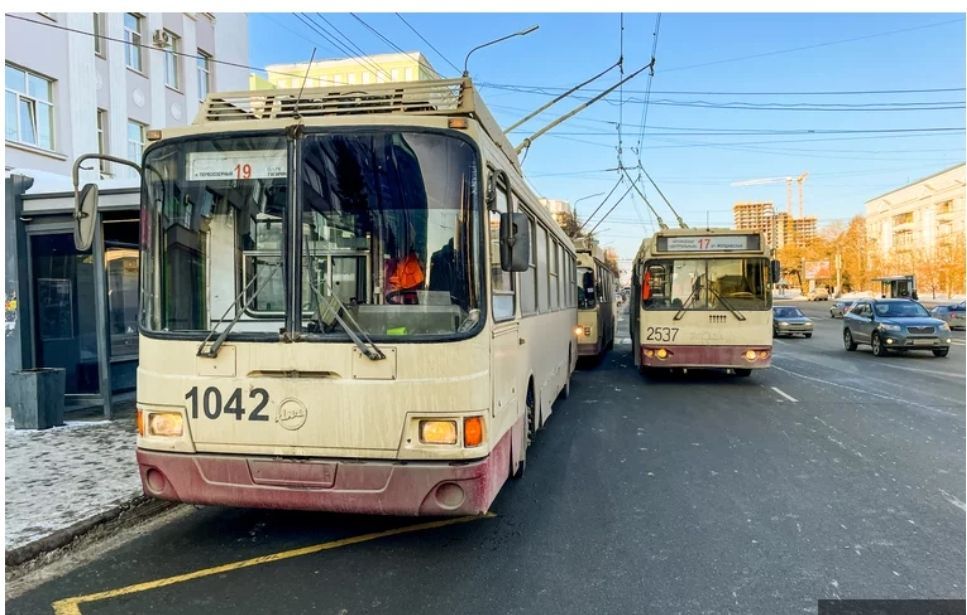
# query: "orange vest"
[[408, 273]]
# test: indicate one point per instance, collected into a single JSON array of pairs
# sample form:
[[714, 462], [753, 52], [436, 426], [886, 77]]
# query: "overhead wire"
[[362, 58], [422, 63], [422, 38]]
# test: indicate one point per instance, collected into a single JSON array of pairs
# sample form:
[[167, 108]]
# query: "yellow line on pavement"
[[71, 606]]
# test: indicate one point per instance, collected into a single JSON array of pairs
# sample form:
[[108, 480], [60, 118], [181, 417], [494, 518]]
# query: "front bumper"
[[706, 356], [589, 349], [904, 340], [796, 328], [335, 485]]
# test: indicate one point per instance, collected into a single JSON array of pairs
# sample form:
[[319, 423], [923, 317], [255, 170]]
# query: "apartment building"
[[779, 227], [379, 68], [78, 83]]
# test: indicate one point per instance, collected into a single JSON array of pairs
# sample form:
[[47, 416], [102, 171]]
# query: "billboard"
[[817, 270]]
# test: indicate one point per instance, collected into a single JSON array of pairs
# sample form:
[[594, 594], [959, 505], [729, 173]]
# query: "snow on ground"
[[57, 477]]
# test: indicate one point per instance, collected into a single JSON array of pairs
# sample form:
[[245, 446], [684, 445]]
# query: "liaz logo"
[[292, 414]]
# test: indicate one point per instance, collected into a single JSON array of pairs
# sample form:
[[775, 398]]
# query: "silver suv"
[[894, 324]]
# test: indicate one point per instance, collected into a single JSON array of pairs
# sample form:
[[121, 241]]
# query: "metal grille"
[[440, 97], [716, 318], [920, 330]]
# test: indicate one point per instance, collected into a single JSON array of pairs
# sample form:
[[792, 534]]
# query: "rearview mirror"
[[85, 217], [776, 271], [515, 244]]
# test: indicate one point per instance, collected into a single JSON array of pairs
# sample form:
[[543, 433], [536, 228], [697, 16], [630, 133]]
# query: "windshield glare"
[[706, 284], [900, 309], [787, 312], [387, 229]]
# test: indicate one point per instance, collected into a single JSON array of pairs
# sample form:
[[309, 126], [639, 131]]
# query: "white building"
[[79, 83]]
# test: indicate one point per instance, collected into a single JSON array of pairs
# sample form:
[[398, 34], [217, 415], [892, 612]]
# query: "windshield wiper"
[[681, 311], [212, 351], [738, 315]]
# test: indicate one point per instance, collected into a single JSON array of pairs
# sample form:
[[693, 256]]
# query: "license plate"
[[923, 342]]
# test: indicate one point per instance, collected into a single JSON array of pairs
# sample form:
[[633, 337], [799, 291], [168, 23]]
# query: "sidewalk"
[[57, 479]]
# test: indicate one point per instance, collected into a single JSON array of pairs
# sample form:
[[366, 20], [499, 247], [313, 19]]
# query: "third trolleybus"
[[701, 298]]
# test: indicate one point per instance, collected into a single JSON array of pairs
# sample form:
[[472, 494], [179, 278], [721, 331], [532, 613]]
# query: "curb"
[[132, 511]]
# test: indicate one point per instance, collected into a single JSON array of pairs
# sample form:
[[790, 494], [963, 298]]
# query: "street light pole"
[[466, 59]]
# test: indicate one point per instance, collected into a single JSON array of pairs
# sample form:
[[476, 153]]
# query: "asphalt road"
[[832, 474]]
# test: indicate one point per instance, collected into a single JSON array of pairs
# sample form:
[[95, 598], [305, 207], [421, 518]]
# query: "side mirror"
[[85, 217], [776, 271], [587, 281], [515, 243]]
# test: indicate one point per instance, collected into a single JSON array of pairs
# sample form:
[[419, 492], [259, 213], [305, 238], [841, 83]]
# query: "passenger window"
[[528, 279], [542, 301], [501, 281]]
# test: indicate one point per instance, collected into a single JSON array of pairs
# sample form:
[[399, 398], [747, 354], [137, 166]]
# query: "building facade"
[[779, 227], [919, 228], [78, 83], [380, 68]]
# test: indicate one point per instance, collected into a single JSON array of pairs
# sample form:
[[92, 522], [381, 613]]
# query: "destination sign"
[[710, 243], [239, 165]]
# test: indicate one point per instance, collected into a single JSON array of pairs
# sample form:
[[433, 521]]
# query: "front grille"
[[920, 330], [716, 318]]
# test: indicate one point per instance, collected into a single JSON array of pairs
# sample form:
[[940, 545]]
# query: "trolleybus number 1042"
[[211, 403], [661, 334]]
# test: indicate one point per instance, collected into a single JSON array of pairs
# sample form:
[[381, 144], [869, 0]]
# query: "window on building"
[[501, 281], [945, 207], [102, 139], [408, 73], [98, 30], [135, 140], [904, 218], [367, 77], [394, 74], [944, 229], [29, 108], [351, 77], [903, 239], [172, 62], [338, 80], [204, 74], [132, 38]]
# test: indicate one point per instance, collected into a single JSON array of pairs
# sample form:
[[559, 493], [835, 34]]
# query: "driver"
[[406, 276]]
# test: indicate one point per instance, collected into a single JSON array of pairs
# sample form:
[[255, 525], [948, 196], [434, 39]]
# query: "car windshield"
[[788, 312], [900, 309]]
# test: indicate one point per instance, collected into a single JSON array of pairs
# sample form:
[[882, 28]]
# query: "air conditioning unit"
[[162, 38]]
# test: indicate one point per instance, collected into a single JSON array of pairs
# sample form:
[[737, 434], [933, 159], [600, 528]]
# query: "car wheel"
[[807, 334], [775, 332], [879, 349], [941, 352], [848, 342]]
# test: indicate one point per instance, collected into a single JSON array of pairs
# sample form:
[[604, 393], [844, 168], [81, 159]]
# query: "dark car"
[[894, 324], [790, 321], [952, 314]]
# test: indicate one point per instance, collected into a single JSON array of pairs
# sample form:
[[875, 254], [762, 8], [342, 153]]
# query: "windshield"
[[706, 284], [387, 229], [900, 309], [787, 312]]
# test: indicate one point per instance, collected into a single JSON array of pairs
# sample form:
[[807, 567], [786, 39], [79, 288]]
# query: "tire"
[[879, 350], [848, 342], [941, 352], [566, 390], [775, 332], [742, 372], [529, 429], [807, 335]]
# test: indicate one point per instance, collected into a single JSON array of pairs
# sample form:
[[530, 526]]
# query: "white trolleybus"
[[702, 299], [596, 300], [350, 301]]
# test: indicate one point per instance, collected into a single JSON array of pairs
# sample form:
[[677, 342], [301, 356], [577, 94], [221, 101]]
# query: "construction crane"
[[778, 180]]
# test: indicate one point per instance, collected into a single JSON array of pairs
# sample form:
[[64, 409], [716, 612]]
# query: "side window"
[[528, 279], [553, 273], [542, 276], [501, 281]]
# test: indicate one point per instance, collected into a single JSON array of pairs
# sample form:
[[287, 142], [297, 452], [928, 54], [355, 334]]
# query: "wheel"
[[879, 349], [807, 334], [530, 427], [941, 352], [775, 332], [742, 372], [566, 391], [848, 342]]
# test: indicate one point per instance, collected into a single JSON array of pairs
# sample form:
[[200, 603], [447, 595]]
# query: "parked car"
[[894, 324], [818, 294], [790, 321], [952, 314], [838, 309]]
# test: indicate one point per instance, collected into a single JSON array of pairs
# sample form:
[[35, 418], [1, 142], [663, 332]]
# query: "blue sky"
[[739, 59]]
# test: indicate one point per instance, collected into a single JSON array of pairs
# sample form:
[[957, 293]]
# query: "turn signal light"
[[165, 424], [472, 431], [750, 355], [140, 418], [763, 354], [578, 330], [457, 122], [438, 432], [661, 353], [649, 352]]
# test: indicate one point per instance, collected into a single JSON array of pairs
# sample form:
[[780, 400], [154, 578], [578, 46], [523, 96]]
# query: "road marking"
[[71, 606], [924, 371], [786, 395], [954, 500], [866, 392]]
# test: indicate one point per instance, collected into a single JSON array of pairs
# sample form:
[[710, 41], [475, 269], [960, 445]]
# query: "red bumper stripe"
[[706, 356]]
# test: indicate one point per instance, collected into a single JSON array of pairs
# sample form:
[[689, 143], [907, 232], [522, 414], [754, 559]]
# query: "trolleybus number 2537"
[[661, 334]]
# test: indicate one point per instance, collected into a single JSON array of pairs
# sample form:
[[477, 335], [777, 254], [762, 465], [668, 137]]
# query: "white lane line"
[[786, 395], [865, 392], [953, 500], [924, 371]]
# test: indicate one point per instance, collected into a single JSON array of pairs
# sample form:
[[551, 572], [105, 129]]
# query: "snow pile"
[[57, 477]]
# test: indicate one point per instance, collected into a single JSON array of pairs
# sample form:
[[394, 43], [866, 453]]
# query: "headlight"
[[945, 327], [808, 324], [886, 327], [783, 324], [165, 424]]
